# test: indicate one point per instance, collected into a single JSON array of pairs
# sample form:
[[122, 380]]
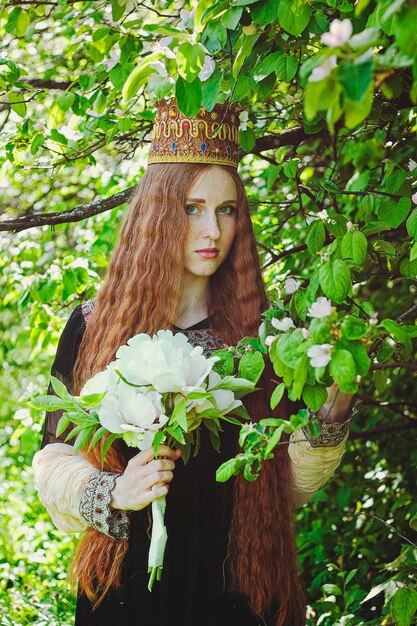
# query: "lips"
[[208, 253]]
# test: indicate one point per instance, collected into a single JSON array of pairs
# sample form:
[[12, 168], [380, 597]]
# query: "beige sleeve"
[[311, 467], [60, 476]]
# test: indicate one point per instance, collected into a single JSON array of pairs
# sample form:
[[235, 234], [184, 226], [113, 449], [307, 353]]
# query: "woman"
[[186, 260]]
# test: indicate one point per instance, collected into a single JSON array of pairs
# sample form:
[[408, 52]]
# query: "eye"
[[191, 209], [227, 210]]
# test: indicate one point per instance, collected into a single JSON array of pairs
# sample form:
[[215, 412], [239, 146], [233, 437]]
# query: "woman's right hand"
[[145, 479]]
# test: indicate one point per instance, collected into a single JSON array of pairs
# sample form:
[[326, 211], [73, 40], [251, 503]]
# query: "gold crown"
[[209, 137]]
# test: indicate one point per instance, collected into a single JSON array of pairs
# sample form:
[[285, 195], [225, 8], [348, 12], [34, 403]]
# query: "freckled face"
[[211, 207]]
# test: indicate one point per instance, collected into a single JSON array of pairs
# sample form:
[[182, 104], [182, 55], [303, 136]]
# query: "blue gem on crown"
[[203, 146], [173, 146]]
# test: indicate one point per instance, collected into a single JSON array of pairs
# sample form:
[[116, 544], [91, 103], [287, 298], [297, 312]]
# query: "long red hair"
[[145, 266]]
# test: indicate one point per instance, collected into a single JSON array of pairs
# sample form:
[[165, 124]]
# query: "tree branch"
[[73, 215], [388, 366], [386, 428]]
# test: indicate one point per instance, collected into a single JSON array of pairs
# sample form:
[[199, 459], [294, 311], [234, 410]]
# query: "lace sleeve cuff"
[[331, 433], [95, 506]]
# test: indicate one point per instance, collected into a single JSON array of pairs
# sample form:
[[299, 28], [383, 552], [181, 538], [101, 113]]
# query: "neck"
[[194, 300]]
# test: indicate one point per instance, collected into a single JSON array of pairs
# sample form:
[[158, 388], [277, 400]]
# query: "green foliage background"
[[77, 89]]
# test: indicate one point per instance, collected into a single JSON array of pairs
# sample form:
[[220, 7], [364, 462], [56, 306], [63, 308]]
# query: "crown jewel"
[[209, 137]]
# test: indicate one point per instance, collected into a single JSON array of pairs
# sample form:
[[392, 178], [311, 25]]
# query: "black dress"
[[195, 585]]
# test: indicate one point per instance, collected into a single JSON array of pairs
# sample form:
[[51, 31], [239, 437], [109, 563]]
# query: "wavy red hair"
[[145, 266]]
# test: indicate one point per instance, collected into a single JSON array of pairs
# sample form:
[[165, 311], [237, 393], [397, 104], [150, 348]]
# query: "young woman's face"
[[211, 207]]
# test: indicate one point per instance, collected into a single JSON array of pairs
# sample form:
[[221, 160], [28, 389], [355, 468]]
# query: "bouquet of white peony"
[[159, 389]]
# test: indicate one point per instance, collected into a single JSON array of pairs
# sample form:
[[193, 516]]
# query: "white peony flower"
[[414, 197], [339, 33], [101, 382], [166, 361], [291, 285], [285, 324], [135, 411], [320, 354], [208, 68], [323, 70], [322, 307]]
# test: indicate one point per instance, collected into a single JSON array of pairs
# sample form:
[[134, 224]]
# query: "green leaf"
[[117, 9], [229, 468], [119, 74], [251, 366], [37, 142], [189, 96], [83, 437], [100, 432], [179, 415], [244, 52], [157, 440], [58, 137], [397, 331], [190, 60], [267, 65], [353, 327], [225, 365], [404, 606], [274, 440], [211, 90], [394, 212], [17, 102], [290, 168], [290, 347], [294, 15], [277, 395], [300, 376], [70, 281], [247, 139], [335, 280], [62, 425], [59, 388], [343, 370], [286, 68], [359, 353], [411, 224], [265, 12], [176, 433], [355, 78], [316, 237], [106, 445], [231, 18], [320, 95], [314, 396], [354, 246], [65, 100]]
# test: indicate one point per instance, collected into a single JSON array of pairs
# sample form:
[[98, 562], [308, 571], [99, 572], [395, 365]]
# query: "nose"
[[211, 226]]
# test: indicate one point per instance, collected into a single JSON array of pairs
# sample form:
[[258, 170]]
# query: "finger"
[[155, 478], [156, 465], [153, 494], [147, 455]]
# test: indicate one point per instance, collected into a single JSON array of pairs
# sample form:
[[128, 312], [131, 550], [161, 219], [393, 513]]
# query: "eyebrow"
[[202, 201]]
